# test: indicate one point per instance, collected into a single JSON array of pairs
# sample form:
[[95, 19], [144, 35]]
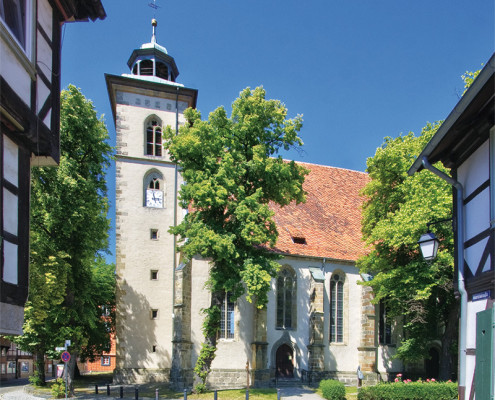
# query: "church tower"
[[144, 102]]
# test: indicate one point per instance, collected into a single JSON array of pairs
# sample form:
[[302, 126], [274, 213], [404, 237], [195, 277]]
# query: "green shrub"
[[58, 388], [35, 380], [332, 389], [200, 388], [410, 391]]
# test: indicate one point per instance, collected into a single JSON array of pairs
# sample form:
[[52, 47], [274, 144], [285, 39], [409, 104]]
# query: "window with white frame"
[[337, 308], [286, 298], [16, 16], [13, 14], [153, 137], [227, 321], [106, 361]]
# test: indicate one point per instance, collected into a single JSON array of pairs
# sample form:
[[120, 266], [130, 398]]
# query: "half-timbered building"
[[30, 40], [465, 143]]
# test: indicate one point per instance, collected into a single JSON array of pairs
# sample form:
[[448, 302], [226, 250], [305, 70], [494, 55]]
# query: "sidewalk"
[[19, 389], [286, 394]]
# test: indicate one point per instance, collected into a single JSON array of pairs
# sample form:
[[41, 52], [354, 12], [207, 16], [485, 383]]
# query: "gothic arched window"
[[286, 299], [337, 308], [153, 137], [227, 317]]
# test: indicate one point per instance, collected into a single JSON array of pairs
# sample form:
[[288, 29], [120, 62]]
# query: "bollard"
[[136, 393], [247, 394], [185, 394], [121, 392], [108, 389], [215, 395], [278, 394], [156, 394], [96, 388]]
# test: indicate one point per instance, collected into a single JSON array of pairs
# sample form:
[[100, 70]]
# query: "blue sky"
[[358, 70]]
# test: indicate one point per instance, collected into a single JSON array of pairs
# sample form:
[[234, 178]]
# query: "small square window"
[[154, 314], [154, 275], [105, 360], [154, 234]]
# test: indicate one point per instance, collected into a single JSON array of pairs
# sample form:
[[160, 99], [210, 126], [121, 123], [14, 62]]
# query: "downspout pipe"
[[460, 270], [174, 242]]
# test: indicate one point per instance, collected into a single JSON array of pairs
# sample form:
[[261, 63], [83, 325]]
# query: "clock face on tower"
[[154, 198]]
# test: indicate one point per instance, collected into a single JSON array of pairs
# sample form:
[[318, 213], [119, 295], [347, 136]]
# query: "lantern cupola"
[[153, 61]]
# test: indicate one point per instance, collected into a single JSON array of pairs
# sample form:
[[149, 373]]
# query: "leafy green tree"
[[69, 281], [231, 175], [396, 210]]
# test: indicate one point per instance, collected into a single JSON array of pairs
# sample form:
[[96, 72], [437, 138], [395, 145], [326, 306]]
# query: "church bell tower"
[[145, 101]]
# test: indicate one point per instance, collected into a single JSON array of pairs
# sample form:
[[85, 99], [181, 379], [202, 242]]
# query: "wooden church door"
[[284, 360]]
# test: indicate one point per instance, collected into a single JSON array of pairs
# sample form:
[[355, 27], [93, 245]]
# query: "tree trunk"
[[210, 330], [71, 367], [40, 367], [446, 370]]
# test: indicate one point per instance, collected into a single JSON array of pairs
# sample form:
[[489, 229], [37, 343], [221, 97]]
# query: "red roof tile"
[[329, 221]]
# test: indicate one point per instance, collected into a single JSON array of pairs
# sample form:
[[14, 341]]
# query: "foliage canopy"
[[232, 173], [69, 280], [396, 210]]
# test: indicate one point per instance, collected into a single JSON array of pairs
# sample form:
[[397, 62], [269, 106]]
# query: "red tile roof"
[[329, 221]]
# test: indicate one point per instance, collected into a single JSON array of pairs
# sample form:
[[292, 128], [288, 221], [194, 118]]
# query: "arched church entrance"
[[285, 361]]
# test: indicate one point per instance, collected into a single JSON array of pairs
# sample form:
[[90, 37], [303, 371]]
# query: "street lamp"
[[428, 243]]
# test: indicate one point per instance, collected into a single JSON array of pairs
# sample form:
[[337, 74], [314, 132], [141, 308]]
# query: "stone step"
[[287, 383]]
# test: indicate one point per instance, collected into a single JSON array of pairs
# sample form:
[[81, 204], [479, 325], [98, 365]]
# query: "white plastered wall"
[[137, 253], [338, 357], [231, 353]]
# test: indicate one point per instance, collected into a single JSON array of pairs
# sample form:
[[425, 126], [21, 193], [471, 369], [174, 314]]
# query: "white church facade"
[[319, 321]]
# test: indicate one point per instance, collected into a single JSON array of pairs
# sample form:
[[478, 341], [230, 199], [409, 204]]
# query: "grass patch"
[[85, 384], [164, 392]]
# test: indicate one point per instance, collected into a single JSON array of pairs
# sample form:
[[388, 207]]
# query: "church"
[[319, 322]]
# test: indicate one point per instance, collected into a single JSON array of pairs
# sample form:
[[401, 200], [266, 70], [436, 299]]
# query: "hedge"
[[332, 389], [410, 391]]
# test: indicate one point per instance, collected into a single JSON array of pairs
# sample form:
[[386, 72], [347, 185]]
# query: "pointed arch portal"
[[285, 361]]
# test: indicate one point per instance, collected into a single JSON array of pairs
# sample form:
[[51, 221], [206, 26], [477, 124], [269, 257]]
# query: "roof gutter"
[[460, 268]]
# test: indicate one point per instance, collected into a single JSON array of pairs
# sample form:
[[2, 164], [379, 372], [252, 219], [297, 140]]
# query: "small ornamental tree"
[[232, 173]]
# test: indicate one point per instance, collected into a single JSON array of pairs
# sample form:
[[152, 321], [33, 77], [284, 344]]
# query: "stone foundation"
[[313, 378], [140, 375], [228, 379]]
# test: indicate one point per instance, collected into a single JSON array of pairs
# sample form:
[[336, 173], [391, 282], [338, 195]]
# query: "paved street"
[[16, 391]]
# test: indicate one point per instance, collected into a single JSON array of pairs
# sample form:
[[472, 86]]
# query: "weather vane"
[[153, 5]]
